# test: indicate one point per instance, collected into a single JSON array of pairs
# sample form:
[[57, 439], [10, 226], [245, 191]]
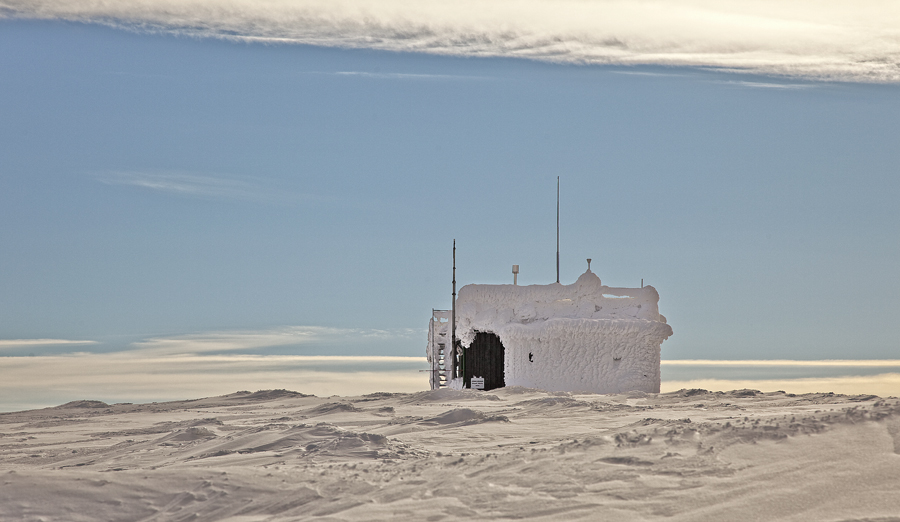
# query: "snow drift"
[[515, 453]]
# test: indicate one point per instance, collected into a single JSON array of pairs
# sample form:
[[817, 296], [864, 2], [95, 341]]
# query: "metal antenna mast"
[[453, 320], [557, 229]]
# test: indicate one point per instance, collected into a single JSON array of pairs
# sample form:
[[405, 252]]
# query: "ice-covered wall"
[[579, 337]]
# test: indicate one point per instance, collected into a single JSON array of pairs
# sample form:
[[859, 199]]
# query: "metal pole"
[[453, 320], [557, 229], [435, 357]]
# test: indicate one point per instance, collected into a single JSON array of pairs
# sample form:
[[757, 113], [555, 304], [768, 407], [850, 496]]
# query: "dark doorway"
[[484, 358]]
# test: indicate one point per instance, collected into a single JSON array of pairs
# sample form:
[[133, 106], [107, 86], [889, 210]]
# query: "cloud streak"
[[198, 185], [250, 340], [333, 340], [143, 376], [769, 85], [815, 39], [11, 344], [231, 341], [405, 76], [138, 376]]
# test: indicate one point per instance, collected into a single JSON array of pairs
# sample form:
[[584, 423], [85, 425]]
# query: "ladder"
[[438, 354]]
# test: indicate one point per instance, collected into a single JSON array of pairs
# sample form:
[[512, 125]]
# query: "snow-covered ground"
[[450, 455]]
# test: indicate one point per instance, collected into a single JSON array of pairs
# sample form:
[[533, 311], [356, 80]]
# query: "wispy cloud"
[[143, 376], [138, 376], [6, 344], [331, 340], [194, 185], [250, 340], [210, 363], [646, 73], [179, 183], [818, 39], [407, 76], [234, 340], [769, 85]]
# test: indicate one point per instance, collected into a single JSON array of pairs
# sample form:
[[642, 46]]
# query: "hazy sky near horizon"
[[172, 184]]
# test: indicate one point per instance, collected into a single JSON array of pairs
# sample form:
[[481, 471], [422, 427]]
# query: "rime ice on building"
[[579, 337]]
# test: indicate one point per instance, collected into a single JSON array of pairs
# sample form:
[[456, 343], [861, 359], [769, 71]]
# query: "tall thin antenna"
[[453, 372], [557, 229]]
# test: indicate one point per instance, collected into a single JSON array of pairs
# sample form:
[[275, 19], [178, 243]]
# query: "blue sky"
[[163, 184]]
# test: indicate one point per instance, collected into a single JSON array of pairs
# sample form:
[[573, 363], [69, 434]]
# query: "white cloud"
[[205, 364], [769, 85], [143, 376], [230, 341], [138, 376], [25, 343], [818, 39], [248, 340]]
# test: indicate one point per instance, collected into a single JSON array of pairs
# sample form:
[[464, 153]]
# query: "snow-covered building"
[[579, 337]]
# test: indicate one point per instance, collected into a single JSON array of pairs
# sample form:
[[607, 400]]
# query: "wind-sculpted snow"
[[514, 453], [465, 417], [446, 395], [820, 39]]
